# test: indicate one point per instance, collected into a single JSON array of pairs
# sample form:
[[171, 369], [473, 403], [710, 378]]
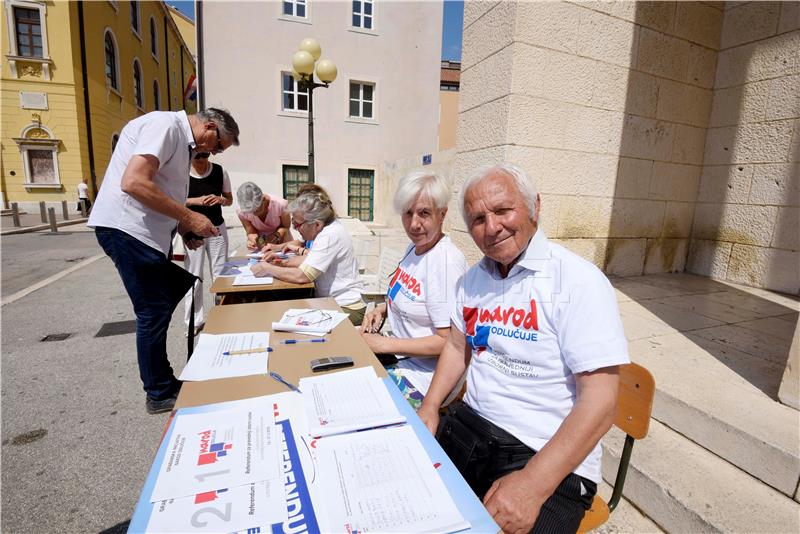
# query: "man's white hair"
[[427, 184], [524, 184]]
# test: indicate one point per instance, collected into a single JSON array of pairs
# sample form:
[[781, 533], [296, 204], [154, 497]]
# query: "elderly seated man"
[[537, 330]]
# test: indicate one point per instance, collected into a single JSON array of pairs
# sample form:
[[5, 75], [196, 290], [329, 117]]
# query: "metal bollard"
[[51, 213], [65, 210], [43, 211], [15, 214], [83, 208]]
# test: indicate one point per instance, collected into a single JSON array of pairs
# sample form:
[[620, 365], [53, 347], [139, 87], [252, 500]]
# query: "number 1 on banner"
[[201, 477]]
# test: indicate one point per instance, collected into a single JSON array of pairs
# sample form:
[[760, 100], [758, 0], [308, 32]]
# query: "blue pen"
[[293, 341], [280, 379]]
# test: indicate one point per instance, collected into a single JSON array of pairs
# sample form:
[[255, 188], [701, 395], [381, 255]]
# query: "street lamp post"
[[303, 62]]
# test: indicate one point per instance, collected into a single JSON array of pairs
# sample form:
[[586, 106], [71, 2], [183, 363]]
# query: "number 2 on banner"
[[226, 516]]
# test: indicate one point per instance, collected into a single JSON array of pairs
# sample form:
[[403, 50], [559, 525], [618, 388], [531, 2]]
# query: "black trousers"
[[484, 452]]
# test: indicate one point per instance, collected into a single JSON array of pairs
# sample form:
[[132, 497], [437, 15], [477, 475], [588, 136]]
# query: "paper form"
[[247, 278], [383, 481], [208, 361], [226, 510], [347, 401], [221, 449], [309, 321]]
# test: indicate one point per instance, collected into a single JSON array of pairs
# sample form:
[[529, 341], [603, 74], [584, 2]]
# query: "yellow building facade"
[[73, 74]]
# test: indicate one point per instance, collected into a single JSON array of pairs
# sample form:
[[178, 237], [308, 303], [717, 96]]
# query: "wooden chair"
[[634, 404]]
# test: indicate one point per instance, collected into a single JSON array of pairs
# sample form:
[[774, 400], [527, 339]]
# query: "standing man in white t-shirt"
[[538, 332], [141, 203], [83, 196], [209, 190]]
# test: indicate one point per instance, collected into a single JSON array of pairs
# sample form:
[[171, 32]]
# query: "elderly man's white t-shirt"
[[553, 316], [167, 136], [332, 254], [420, 299]]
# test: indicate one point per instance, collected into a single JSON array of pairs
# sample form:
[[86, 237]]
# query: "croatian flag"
[[191, 89]]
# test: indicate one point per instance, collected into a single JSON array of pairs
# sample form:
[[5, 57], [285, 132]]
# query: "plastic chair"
[[361, 247], [634, 405], [378, 284]]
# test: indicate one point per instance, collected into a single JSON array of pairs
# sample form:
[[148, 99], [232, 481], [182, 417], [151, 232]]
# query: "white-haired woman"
[[330, 263], [421, 295], [264, 217]]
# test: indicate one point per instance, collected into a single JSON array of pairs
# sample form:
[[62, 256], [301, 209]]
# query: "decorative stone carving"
[[32, 70], [37, 133]]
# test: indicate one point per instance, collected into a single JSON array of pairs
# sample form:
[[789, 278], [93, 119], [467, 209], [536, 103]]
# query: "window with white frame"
[[156, 96], [135, 17], [26, 24], [293, 98], [153, 38], [362, 14], [138, 90], [362, 99], [112, 60], [294, 8], [29, 32]]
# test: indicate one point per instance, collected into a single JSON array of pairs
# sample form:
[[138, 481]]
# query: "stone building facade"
[[663, 136]]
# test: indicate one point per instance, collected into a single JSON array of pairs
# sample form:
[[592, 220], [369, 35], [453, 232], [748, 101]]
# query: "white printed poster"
[[215, 450], [236, 509], [296, 486]]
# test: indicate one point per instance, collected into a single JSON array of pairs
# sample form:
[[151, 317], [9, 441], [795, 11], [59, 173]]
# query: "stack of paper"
[[347, 401], [209, 360], [383, 481], [376, 480], [309, 321], [279, 255], [247, 278]]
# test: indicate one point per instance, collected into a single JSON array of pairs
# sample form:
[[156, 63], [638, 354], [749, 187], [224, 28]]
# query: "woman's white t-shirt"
[[421, 298], [332, 254]]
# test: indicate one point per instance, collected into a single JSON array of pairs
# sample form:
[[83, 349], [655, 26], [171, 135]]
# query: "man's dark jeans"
[[155, 286]]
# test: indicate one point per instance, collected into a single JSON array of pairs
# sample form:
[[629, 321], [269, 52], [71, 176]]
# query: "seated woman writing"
[[330, 263], [421, 295], [264, 218]]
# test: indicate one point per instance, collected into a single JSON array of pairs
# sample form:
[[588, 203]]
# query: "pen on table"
[[280, 379], [246, 351], [293, 341]]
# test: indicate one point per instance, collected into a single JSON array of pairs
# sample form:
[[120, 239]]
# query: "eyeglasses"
[[297, 225], [220, 149], [310, 317]]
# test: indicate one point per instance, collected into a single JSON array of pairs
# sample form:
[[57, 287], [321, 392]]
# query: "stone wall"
[[608, 106], [605, 105], [747, 221], [390, 174]]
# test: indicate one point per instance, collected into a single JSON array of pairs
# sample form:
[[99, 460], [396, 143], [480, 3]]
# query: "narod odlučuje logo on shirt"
[[510, 322], [405, 283]]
